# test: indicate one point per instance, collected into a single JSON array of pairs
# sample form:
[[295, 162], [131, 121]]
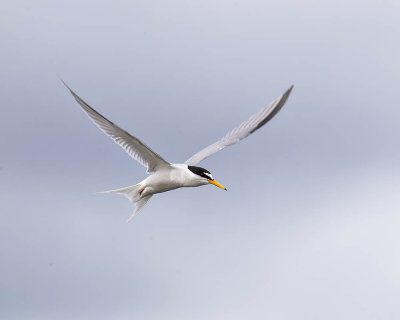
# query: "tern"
[[165, 176]]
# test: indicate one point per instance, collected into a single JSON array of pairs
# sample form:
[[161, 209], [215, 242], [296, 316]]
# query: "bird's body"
[[167, 179], [165, 176]]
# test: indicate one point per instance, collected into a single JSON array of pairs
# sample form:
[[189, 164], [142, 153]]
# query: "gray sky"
[[309, 226]]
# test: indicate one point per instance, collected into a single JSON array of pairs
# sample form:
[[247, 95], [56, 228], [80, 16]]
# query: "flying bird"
[[165, 176]]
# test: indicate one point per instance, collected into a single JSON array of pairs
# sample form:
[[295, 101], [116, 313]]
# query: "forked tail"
[[133, 194]]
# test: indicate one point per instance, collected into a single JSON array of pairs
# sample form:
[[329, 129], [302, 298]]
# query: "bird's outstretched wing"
[[243, 130], [132, 145]]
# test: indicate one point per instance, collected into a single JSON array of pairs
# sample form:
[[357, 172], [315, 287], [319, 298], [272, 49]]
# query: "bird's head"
[[204, 176]]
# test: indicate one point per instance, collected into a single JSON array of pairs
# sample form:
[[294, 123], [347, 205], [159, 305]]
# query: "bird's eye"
[[208, 176]]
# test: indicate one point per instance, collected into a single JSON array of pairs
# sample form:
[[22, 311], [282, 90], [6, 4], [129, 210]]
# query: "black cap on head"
[[204, 173]]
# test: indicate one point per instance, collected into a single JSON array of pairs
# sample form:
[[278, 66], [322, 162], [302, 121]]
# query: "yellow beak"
[[215, 183]]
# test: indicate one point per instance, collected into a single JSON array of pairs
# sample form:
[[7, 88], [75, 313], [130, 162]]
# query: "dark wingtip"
[[63, 82], [286, 95]]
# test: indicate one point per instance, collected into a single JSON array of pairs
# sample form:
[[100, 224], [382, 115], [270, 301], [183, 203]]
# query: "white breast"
[[177, 176]]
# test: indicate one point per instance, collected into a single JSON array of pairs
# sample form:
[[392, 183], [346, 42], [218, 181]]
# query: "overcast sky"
[[309, 228]]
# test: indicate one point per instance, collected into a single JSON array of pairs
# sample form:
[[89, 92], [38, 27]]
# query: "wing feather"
[[243, 130], [132, 145]]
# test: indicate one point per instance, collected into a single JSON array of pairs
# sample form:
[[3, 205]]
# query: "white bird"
[[165, 176]]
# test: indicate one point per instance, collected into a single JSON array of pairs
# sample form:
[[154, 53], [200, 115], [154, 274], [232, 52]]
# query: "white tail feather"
[[133, 194], [138, 206]]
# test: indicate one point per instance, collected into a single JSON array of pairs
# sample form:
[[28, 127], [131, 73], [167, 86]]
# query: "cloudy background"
[[309, 228]]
